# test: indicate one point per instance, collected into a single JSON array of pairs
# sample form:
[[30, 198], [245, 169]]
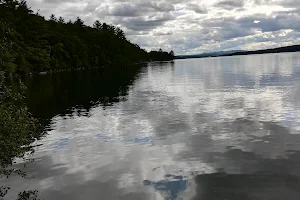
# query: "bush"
[[18, 129]]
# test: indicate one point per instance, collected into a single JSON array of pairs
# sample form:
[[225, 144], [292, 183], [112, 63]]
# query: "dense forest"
[[30, 43]]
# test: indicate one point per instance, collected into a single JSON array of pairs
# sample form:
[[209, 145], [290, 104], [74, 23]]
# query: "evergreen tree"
[[30, 43], [97, 25], [61, 20], [79, 22], [53, 18]]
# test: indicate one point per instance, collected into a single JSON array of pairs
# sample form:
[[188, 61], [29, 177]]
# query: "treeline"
[[30, 43], [294, 48], [161, 55]]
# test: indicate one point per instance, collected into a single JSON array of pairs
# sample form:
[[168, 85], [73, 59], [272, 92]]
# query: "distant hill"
[[211, 54], [293, 48]]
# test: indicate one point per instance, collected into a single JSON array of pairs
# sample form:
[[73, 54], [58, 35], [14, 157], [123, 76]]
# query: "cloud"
[[230, 4], [290, 3], [162, 32], [200, 9], [124, 10], [139, 9], [187, 27], [144, 23]]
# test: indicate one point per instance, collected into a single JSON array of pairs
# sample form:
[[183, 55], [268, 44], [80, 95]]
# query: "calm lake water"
[[207, 129]]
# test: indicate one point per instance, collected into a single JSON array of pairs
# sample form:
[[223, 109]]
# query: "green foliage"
[[30, 43], [28, 195], [161, 55], [7, 56], [18, 129]]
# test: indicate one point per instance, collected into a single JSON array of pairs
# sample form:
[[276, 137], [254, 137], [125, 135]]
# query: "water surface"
[[213, 128]]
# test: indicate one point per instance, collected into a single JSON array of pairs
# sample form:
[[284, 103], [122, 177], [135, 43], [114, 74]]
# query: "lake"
[[211, 129]]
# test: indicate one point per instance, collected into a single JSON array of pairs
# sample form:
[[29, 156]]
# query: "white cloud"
[[190, 26]]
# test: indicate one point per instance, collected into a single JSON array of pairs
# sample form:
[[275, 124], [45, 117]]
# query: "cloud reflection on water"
[[237, 116]]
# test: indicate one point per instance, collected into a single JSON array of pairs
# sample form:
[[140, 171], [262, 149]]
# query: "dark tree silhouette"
[[61, 20], [97, 25], [53, 18], [160, 55], [30, 43]]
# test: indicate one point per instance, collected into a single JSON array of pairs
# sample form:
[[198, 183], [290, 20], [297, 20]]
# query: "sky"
[[189, 26]]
